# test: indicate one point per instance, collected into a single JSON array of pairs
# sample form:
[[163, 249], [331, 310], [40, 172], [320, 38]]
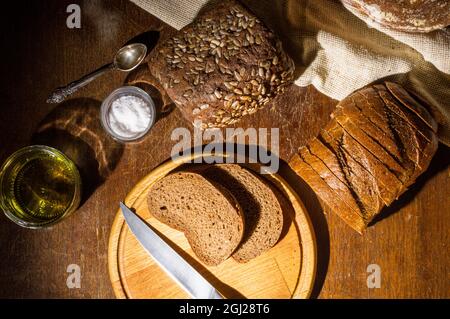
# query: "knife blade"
[[168, 259]]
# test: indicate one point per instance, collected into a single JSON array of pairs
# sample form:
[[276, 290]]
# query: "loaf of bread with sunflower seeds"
[[225, 65]]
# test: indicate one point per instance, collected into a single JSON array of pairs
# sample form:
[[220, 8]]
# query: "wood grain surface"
[[285, 271], [409, 242]]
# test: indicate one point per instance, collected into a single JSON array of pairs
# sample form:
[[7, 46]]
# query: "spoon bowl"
[[130, 56]]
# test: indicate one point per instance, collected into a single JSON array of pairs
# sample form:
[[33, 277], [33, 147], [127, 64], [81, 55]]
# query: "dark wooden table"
[[410, 242]]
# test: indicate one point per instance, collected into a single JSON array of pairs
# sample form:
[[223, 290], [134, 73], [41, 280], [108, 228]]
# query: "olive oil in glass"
[[39, 186]]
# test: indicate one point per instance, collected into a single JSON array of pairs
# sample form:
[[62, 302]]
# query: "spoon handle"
[[61, 93]]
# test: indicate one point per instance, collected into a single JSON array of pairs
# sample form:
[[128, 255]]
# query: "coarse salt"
[[129, 116]]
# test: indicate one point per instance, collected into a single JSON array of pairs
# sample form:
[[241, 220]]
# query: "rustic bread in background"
[[379, 140], [224, 65], [209, 216], [262, 211], [404, 15]]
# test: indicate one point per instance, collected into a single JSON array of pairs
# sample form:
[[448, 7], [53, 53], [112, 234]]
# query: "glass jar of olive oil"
[[39, 186]]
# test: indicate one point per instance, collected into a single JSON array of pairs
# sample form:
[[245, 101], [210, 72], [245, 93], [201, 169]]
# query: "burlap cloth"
[[338, 52]]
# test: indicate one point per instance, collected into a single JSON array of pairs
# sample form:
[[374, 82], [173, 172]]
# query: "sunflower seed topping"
[[261, 72], [228, 85], [216, 45], [275, 60], [228, 97], [218, 94], [209, 68]]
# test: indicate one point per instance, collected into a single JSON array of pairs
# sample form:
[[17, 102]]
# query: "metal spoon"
[[126, 59]]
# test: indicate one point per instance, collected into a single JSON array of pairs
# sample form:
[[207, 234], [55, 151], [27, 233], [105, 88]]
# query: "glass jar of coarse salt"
[[128, 113]]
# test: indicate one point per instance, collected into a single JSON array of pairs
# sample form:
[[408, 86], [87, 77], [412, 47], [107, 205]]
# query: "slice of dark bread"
[[262, 210], [208, 214]]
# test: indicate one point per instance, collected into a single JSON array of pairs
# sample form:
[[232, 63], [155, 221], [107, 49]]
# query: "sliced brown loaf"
[[361, 183], [417, 139], [390, 184], [209, 216], [402, 96], [357, 202], [262, 210], [423, 137], [329, 159], [224, 65], [398, 132], [345, 169], [337, 164], [357, 124], [351, 216], [377, 147], [399, 172], [413, 106], [409, 117], [364, 114], [353, 168]]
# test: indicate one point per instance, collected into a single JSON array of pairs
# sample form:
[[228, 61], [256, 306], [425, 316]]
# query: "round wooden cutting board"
[[285, 271]]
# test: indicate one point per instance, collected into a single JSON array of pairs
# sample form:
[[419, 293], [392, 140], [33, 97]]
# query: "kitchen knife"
[[168, 259]]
